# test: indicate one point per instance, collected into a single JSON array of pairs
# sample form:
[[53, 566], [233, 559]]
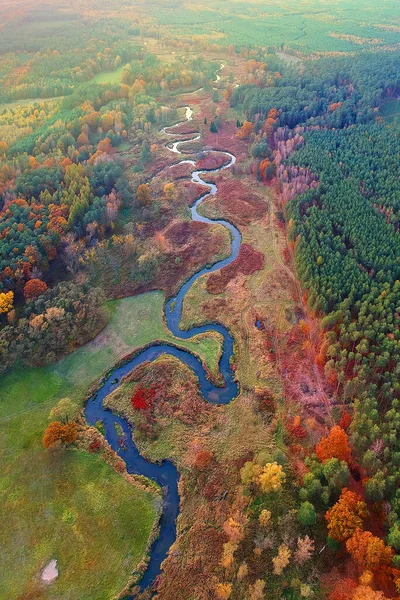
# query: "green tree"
[[306, 514]]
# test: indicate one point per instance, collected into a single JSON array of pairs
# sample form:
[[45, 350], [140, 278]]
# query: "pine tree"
[[213, 127]]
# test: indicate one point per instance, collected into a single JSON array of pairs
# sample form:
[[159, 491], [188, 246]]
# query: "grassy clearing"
[[390, 110], [108, 77], [28, 102], [71, 507], [67, 505], [341, 27], [124, 147]]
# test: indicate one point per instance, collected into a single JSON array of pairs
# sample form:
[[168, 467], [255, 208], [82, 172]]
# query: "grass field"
[[390, 110], [108, 77], [337, 26], [67, 505]]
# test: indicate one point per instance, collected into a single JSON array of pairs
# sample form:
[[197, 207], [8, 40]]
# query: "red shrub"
[[119, 466], [95, 446], [203, 459], [345, 421], [142, 399]]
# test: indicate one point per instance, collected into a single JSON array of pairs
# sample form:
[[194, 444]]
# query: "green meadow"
[[65, 504]]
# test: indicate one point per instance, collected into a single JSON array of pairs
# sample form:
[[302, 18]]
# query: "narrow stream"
[[166, 474]]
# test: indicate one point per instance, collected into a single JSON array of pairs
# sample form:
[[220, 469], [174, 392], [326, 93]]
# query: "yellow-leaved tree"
[[271, 478], [6, 302], [223, 590], [282, 560]]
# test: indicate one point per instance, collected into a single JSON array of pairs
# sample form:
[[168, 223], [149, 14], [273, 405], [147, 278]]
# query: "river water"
[[166, 474]]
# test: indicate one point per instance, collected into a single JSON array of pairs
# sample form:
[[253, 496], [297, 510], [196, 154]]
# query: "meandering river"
[[166, 474]]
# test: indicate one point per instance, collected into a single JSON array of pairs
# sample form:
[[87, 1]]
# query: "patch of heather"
[[212, 161], [249, 261], [192, 191], [235, 201]]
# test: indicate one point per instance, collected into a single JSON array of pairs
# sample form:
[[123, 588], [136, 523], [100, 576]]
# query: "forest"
[[200, 300]]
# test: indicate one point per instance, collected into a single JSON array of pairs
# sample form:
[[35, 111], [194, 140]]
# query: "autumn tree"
[[6, 302], [228, 93], [273, 114], [245, 131], [346, 516], [223, 590], [364, 592], [342, 589], [369, 551], [266, 169], [57, 433], [82, 139], [34, 288], [65, 410], [335, 445], [203, 459], [282, 560], [304, 550], [271, 478], [256, 590], [3, 148], [250, 472], [265, 517], [143, 194], [243, 571], [169, 191], [227, 555], [104, 145]]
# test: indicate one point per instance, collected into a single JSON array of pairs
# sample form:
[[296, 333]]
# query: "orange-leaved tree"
[[3, 148], [143, 194], [57, 433], [245, 131], [364, 592], [223, 590], [335, 445], [346, 516], [369, 551], [34, 288], [342, 589]]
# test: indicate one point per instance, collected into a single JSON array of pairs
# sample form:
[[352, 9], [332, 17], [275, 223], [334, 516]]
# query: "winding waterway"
[[166, 474]]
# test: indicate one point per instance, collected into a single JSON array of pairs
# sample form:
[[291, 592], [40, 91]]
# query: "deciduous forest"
[[200, 300]]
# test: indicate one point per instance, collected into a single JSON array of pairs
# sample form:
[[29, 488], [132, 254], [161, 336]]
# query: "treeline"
[[319, 133], [347, 247], [348, 250], [333, 92]]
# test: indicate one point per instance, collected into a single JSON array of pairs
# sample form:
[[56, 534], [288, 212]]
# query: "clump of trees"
[[52, 324]]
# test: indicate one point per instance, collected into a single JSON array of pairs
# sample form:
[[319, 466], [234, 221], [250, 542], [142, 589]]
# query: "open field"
[[390, 110], [69, 506], [49, 511], [111, 77], [309, 27]]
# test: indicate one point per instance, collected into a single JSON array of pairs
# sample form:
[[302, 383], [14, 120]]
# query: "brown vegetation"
[[249, 261]]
